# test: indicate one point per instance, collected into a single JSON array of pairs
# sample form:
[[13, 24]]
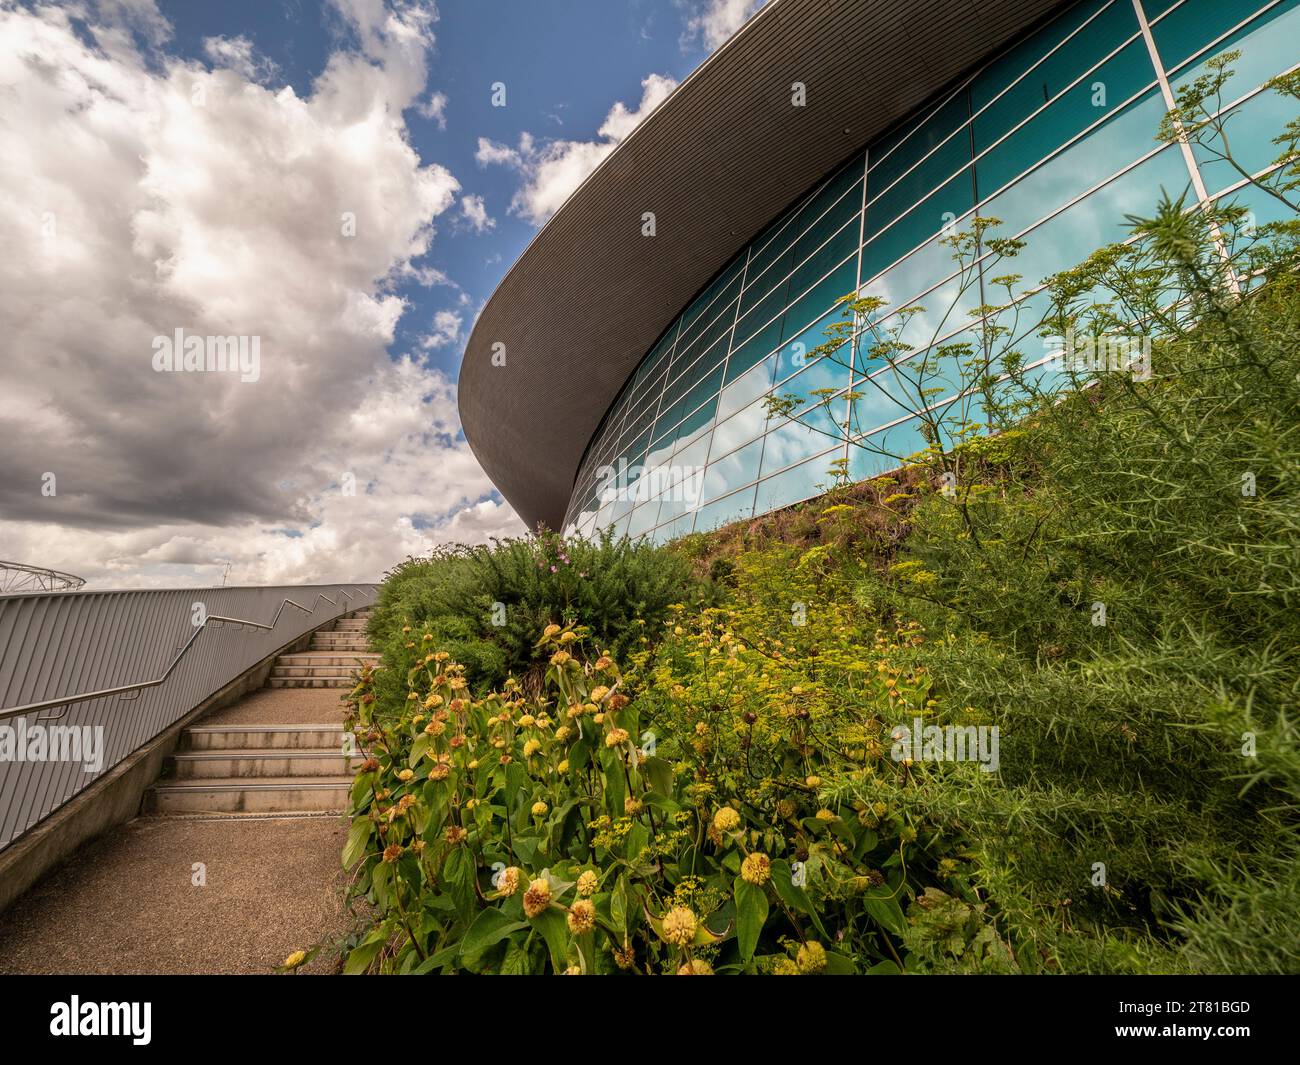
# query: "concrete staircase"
[[334, 654], [272, 769]]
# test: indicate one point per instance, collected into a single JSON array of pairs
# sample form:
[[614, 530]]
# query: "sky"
[[336, 187]]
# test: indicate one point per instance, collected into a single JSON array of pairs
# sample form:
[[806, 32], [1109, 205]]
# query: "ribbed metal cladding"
[[58, 644], [720, 158]]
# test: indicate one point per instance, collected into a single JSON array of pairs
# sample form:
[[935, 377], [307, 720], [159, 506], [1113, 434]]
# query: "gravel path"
[[126, 903]]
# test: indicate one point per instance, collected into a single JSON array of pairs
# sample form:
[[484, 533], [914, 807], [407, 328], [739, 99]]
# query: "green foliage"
[[485, 604], [508, 834], [1104, 566]]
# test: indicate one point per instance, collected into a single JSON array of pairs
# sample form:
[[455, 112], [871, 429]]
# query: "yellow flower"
[[587, 883], [624, 958], [435, 728], [473, 764], [726, 820], [509, 882], [539, 808], [550, 630], [573, 970], [616, 737], [598, 693], [432, 701], [785, 967], [295, 959], [756, 868], [632, 807], [392, 853], [562, 733], [538, 897], [405, 774], [698, 967], [582, 916], [531, 747], [563, 767], [814, 782], [527, 720], [440, 771], [826, 815], [560, 658], [679, 926], [812, 957]]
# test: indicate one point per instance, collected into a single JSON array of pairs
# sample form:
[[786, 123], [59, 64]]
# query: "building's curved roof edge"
[[589, 295]]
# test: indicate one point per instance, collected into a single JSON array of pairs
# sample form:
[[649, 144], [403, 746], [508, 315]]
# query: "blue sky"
[[565, 63], [326, 181]]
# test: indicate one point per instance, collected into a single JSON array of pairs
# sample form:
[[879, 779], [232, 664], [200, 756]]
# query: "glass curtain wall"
[[1055, 137]]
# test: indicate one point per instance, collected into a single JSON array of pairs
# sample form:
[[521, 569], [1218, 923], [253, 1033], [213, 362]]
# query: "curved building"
[[825, 150]]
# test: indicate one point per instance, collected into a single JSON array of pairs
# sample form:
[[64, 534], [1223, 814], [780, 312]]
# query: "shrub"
[[511, 834], [485, 604]]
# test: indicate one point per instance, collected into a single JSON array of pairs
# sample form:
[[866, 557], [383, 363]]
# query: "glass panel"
[[1078, 168], [1100, 218], [1005, 70], [1085, 50], [922, 222], [723, 511], [747, 388], [797, 484], [1187, 29], [1106, 87], [733, 471]]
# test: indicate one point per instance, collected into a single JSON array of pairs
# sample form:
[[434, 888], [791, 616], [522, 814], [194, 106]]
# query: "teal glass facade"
[[1055, 136]]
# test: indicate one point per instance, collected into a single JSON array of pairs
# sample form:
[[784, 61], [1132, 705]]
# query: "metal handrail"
[[121, 689]]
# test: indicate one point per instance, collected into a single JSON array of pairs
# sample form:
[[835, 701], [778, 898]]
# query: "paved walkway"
[[126, 903]]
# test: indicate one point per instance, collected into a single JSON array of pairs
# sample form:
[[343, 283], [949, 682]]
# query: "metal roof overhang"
[[716, 162]]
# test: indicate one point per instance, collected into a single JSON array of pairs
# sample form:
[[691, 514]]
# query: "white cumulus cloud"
[[143, 194], [552, 170], [711, 22]]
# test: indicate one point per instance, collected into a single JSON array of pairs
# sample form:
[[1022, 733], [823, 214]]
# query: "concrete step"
[[341, 680], [262, 763], [244, 795], [312, 671], [309, 658], [345, 639], [351, 625], [262, 737]]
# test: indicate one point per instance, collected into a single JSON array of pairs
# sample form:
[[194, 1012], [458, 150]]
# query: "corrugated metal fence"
[[150, 657]]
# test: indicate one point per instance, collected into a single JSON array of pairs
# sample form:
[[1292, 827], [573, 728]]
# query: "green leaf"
[[793, 895], [886, 911], [618, 905], [361, 957], [881, 968], [660, 774], [458, 876], [751, 915], [551, 924], [489, 928], [515, 962], [358, 841]]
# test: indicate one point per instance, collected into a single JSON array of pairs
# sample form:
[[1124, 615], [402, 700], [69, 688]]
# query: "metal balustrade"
[[131, 663]]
